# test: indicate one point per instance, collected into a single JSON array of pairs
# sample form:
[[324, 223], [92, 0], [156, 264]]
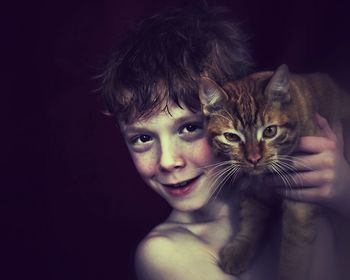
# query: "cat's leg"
[[298, 234], [236, 256]]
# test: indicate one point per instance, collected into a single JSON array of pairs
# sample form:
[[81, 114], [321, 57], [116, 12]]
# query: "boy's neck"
[[221, 206]]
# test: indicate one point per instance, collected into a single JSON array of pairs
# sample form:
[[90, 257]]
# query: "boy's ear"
[[211, 96], [277, 89]]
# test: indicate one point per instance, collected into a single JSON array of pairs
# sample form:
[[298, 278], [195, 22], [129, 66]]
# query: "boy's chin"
[[188, 206]]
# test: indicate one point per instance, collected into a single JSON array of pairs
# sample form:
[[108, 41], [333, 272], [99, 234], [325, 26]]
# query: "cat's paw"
[[235, 257]]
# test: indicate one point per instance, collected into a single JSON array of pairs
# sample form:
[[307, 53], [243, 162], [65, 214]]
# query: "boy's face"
[[172, 154]]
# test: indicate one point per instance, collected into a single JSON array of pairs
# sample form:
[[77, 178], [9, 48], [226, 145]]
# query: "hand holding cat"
[[323, 174]]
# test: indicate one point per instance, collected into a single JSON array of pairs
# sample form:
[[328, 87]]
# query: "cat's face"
[[250, 122]]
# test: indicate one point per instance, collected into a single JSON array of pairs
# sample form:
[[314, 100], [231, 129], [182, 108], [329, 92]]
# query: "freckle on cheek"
[[202, 153], [144, 166]]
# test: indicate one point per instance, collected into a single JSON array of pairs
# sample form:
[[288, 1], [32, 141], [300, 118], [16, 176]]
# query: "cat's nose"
[[254, 158]]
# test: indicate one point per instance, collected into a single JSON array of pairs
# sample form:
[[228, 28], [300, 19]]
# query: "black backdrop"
[[72, 206]]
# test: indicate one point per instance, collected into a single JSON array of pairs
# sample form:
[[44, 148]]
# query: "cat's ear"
[[211, 95], [277, 89]]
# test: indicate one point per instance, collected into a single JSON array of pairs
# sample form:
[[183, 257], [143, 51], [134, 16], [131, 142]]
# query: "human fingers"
[[325, 128], [314, 195], [338, 130], [308, 162], [295, 180], [315, 144]]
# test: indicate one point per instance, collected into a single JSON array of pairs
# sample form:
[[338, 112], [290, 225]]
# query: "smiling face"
[[171, 152]]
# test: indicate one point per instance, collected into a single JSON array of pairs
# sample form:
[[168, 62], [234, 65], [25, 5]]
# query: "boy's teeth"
[[180, 185]]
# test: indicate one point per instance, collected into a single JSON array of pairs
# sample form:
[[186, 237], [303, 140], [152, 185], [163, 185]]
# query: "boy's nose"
[[171, 160]]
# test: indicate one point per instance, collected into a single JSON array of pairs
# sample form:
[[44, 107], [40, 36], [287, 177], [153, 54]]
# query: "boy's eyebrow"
[[195, 117], [142, 126], [132, 128]]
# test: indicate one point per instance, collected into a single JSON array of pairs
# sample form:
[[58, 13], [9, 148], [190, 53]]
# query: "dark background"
[[72, 205]]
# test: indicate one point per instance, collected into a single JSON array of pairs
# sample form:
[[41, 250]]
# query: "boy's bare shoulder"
[[162, 252], [173, 252]]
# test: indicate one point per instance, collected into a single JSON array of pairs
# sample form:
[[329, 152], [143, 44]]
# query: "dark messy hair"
[[164, 57]]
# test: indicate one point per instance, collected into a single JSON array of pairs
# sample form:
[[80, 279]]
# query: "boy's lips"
[[182, 188]]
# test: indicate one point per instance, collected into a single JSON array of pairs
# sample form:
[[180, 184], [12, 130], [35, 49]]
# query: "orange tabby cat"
[[256, 124]]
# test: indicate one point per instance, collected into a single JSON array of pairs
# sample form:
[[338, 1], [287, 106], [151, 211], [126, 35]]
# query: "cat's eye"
[[270, 131], [232, 137]]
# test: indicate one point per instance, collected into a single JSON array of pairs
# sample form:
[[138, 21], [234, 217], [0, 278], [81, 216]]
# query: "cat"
[[256, 124]]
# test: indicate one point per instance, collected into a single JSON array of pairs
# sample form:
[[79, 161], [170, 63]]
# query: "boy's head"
[[164, 57]]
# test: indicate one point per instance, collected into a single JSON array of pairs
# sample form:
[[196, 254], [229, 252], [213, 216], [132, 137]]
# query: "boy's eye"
[[191, 131], [141, 138], [145, 138], [190, 127]]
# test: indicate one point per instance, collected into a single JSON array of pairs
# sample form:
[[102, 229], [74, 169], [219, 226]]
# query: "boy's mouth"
[[182, 188], [181, 184]]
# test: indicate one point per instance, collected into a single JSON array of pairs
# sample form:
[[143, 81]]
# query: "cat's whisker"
[[217, 181], [287, 166], [296, 161], [233, 178], [222, 167], [216, 173], [298, 181], [218, 164], [287, 174], [273, 169], [284, 178], [298, 176], [220, 180], [276, 171], [217, 191], [226, 174], [227, 177], [214, 188], [218, 168]]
